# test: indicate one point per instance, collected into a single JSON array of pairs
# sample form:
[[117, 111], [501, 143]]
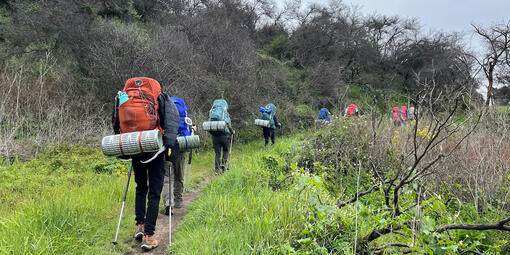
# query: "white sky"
[[440, 15]]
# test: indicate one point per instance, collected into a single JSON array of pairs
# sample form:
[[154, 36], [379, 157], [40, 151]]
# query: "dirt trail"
[[162, 224]]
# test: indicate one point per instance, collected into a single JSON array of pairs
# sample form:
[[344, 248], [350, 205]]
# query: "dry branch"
[[483, 226]]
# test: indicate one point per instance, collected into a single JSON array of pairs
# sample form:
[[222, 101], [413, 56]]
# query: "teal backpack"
[[268, 114], [219, 112]]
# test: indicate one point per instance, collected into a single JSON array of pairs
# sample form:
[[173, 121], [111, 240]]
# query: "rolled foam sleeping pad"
[[133, 143], [214, 125], [187, 143], [321, 121], [262, 123]]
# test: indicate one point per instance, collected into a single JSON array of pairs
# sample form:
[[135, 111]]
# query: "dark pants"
[[268, 132], [220, 143], [153, 172], [174, 174]]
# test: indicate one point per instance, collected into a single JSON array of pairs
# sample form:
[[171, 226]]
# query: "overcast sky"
[[440, 15]]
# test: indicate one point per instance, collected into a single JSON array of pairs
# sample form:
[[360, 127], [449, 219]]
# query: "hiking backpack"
[[410, 113], [324, 114], [268, 114], [404, 113], [184, 128], [219, 112], [138, 105], [352, 110], [395, 115]]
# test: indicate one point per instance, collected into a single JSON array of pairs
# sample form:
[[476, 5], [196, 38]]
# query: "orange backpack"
[[139, 110]]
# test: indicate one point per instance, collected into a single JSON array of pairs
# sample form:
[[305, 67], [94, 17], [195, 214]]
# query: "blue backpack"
[[268, 113], [184, 128], [324, 114]]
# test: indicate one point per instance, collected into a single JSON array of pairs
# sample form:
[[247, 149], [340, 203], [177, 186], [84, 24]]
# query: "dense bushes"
[[450, 192], [249, 53]]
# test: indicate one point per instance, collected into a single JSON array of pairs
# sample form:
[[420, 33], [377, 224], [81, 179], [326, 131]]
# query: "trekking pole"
[[230, 150], [186, 181], [123, 203], [170, 193]]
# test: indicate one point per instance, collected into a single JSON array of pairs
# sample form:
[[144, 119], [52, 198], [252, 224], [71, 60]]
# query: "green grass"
[[239, 213], [67, 201]]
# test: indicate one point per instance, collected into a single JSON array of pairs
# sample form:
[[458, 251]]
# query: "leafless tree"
[[497, 42]]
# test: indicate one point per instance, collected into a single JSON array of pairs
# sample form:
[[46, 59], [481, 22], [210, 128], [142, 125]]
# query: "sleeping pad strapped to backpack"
[[268, 114], [185, 139], [219, 112]]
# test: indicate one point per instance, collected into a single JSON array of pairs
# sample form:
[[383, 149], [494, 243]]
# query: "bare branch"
[[483, 226]]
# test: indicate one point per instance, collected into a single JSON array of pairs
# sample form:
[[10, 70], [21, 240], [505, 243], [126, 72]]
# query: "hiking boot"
[[168, 210], [149, 243], [138, 232], [178, 204]]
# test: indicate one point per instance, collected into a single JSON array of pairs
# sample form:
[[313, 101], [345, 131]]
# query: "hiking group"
[[325, 116], [401, 115], [154, 131]]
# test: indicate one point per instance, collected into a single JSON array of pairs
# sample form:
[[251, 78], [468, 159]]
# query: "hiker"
[[404, 114], [410, 113], [352, 110], [144, 107], [269, 114], [396, 116], [175, 164], [325, 115], [221, 138]]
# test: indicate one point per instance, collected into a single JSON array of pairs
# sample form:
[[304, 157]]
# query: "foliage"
[[67, 201]]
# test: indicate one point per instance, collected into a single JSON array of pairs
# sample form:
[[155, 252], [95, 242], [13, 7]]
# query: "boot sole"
[[147, 247], [139, 236]]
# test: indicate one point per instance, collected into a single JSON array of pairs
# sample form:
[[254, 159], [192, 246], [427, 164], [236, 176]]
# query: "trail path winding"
[[162, 223]]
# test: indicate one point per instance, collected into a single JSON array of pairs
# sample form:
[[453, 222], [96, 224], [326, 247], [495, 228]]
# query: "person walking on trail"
[[396, 117], [269, 114], [324, 115], [144, 107], [352, 110], [175, 164], [221, 138]]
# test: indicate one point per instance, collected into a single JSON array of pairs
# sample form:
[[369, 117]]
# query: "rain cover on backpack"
[[395, 115], [352, 110], [219, 112], [184, 128], [403, 113], [268, 114], [324, 114]]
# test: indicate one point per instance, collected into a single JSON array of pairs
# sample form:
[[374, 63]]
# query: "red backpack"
[[352, 110], [138, 105], [395, 116], [403, 111]]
